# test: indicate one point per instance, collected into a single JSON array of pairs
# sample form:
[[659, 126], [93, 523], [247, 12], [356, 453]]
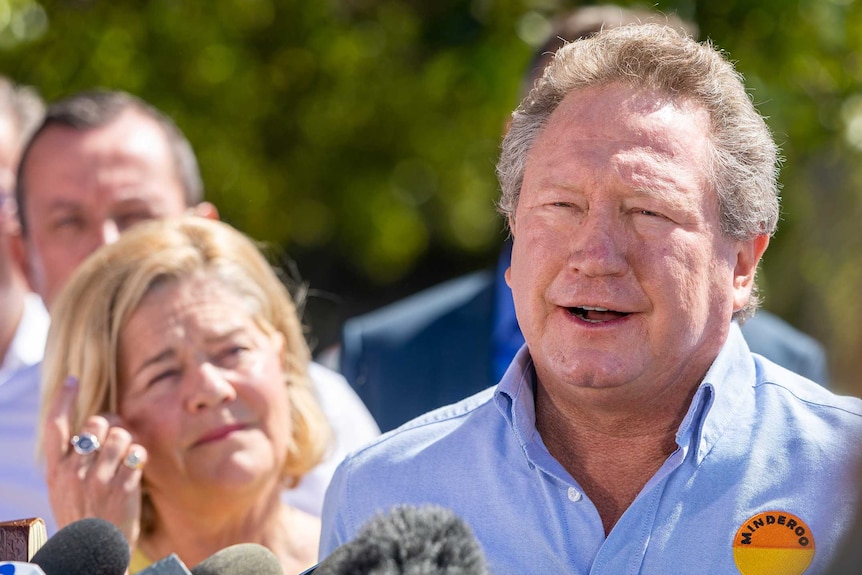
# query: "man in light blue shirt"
[[738, 452], [456, 338], [635, 432]]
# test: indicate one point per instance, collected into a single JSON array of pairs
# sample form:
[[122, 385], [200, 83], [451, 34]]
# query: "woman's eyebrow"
[[166, 354]]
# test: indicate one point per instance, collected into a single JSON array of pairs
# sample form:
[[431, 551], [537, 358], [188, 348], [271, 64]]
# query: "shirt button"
[[574, 495]]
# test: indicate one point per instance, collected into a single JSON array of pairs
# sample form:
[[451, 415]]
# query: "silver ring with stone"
[[85, 443], [133, 460]]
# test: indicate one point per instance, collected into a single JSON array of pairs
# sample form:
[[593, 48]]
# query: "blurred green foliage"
[[361, 135], [803, 63]]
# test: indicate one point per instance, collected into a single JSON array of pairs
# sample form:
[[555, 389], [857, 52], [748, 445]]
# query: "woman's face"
[[202, 388]]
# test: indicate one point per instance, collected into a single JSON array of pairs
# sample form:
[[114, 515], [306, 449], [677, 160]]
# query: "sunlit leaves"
[[365, 132]]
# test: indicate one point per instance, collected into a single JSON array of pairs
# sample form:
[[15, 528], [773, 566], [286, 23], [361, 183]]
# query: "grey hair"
[[743, 167]]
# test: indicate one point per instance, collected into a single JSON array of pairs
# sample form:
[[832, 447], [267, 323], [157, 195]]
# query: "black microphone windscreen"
[[239, 559], [88, 546], [428, 540]]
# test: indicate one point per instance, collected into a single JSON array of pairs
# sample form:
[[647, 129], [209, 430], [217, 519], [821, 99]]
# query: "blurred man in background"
[[454, 339]]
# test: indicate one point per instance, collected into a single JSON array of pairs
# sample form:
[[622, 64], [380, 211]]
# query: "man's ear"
[[747, 258], [205, 210], [507, 274]]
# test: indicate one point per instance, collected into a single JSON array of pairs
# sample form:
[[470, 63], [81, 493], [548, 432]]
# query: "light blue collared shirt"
[[757, 438]]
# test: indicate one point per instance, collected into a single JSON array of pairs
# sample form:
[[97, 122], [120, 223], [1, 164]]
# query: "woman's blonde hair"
[[108, 287]]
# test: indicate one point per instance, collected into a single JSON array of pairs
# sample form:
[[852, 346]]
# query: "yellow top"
[[139, 561]]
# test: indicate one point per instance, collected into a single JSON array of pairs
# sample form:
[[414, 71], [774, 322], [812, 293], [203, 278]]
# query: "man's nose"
[[597, 246]]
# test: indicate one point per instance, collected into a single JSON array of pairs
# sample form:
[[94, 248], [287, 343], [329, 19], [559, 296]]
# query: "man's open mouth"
[[596, 314]]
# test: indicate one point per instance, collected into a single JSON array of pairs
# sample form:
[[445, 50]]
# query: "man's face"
[[620, 273], [83, 188]]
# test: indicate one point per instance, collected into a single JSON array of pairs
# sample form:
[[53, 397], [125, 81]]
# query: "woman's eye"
[[232, 353], [163, 376]]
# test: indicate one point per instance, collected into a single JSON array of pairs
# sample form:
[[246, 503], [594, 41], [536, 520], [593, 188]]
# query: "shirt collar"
[[724, 390], [515, 397], [717, 399], [28, 345], [506, 338]]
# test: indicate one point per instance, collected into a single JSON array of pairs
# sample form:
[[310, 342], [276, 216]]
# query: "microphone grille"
[[427, 540], [90, 546], [240, 559]]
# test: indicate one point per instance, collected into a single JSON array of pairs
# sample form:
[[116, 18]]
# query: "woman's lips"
[[219, 433]]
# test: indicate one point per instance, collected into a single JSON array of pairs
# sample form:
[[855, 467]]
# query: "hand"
[[105, 483]]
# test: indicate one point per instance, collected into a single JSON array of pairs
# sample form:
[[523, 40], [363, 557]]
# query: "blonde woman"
[[177, 402]]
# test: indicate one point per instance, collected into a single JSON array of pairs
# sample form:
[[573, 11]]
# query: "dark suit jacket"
[[775, 339], [434, 348], [422, 352]]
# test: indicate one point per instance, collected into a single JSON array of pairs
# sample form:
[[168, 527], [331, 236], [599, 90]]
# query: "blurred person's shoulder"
[[420, 310], [774, 338]]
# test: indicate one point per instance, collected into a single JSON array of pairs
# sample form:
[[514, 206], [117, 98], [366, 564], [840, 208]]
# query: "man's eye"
[[127, 220], [69, 222], [649, 213]]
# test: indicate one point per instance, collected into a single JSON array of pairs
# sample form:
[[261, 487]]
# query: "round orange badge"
[[773, 543]]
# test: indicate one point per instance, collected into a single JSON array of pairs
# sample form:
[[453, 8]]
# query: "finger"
[[115, 420], [128, 486], [133, 466], [116, 480], [98, 427], [69, 494], [56, 435], [135, 454], [110, 459]]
